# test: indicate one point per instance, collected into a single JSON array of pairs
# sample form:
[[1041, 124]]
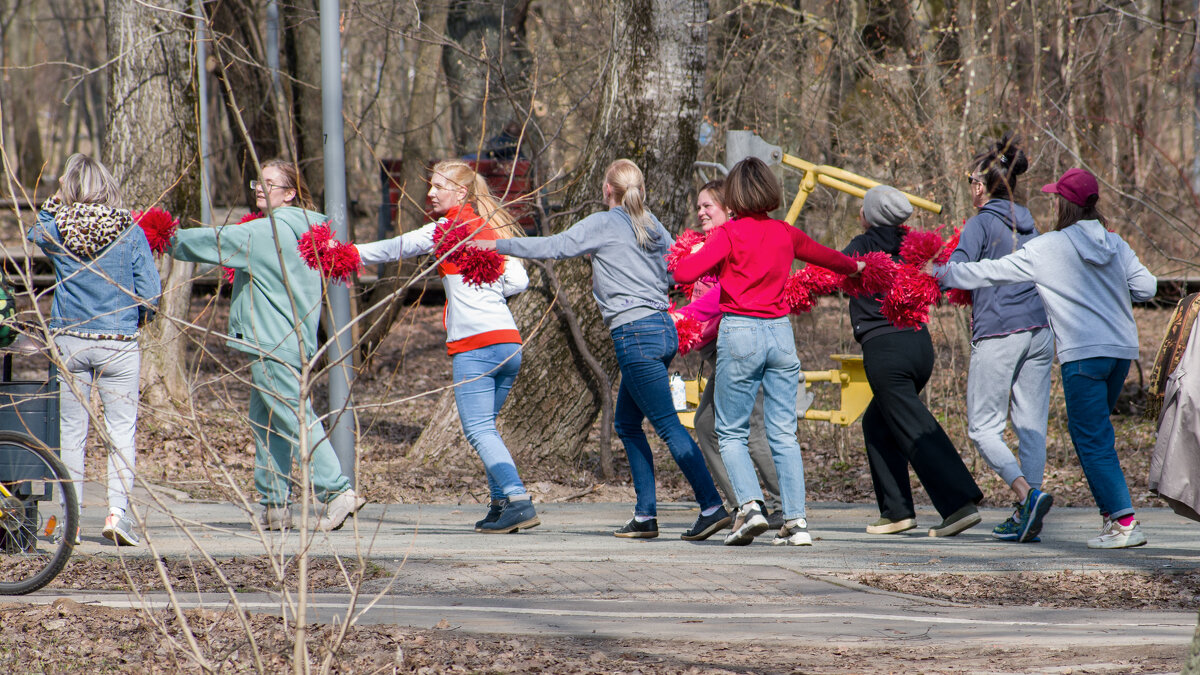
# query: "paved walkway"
[[571, 577]]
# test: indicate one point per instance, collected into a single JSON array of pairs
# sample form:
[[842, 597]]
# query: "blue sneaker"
[[1037, 504], [1010, 529]]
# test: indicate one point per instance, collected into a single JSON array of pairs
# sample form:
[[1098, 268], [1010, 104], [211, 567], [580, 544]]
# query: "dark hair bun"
[[1009, 154]]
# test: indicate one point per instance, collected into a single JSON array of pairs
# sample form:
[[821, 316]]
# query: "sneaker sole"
[[744, 536], [804, 539], [1039, 511], [964, 523], [708, 531], [120, 539], [893, 528], [636, 535], [525, 525], [1124, 544]]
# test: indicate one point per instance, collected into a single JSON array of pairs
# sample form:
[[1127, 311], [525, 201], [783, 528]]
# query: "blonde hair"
[[629, 190], [86, 180], [295, 181], [479, 196]]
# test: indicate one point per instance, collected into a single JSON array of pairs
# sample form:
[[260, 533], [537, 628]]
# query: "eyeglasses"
[[265, 187]]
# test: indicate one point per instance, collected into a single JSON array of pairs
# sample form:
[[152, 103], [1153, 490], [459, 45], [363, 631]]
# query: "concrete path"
[[571, 577]]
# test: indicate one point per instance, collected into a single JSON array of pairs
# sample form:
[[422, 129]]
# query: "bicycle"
[[31, 516]]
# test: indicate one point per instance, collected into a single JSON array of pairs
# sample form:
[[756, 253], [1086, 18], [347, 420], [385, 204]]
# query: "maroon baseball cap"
[[1076, 186]]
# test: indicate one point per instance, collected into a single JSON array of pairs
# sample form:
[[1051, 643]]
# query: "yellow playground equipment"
[[851, 378]]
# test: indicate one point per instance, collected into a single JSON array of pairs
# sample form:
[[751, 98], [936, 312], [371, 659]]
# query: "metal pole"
[[273, 43], [342, 416], [202, 106]]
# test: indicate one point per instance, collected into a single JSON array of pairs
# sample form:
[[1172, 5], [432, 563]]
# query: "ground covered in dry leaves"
[[66, 637]]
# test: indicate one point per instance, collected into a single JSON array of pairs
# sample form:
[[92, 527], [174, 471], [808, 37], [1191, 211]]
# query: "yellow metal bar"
[[838, 179]]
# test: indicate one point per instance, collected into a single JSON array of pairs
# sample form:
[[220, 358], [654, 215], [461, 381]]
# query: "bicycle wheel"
[[39, 514]]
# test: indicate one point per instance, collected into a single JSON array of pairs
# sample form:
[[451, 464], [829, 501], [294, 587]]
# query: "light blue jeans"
[[753, 352], [112, 367], [1018, 364], [482, 380]]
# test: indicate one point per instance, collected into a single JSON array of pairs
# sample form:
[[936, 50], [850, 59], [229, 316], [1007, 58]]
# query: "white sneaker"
[[1116, 535], [793, 533], [747, 524], [338, 509]]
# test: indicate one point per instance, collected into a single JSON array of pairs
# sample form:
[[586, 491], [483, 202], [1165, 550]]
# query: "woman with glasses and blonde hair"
[[106, 288], [481, 335], [273, 317], [628, 246]]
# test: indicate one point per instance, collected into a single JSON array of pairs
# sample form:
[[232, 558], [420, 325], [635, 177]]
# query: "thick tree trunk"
[[649, 112], [478, 64], [152, 151], [235, 31]]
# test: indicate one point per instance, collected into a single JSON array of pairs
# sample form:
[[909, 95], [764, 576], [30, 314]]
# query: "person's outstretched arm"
[[1014, 268], [586, 236], [408, 245]]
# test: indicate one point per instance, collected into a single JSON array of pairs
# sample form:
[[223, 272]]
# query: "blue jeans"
[[1091, 387], [644, 351], [753, 353], [482, 380]]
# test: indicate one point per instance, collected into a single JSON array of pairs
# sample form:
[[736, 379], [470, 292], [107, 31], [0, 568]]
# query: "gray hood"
[[1091, 241]]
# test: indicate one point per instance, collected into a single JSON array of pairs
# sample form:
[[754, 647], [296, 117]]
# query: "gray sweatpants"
[[112, 367], [1018, 364], [760, 449]]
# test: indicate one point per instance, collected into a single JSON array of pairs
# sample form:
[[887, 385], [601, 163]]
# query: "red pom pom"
[[690, 332], [227, 274], [253, 215], [960, 297], [875, 278], [315, 244], [820, 280], [477, 266], [159, 227], [334, 259], [797, 294], [682, 248], [686, 289], [951, 244], [919, 248], [906, 305]]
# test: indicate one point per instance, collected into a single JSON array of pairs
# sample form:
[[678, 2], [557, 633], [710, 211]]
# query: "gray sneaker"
[[338, 509], [120, 531], [275, 518], [747, 524]]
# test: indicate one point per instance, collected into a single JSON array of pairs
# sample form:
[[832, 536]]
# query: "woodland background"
[[904, 92]]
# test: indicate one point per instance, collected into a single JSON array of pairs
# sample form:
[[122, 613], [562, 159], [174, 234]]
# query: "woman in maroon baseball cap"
[[1087, 278]]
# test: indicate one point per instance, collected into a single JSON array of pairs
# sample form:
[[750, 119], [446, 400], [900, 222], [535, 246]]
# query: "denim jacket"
[[112, 292]]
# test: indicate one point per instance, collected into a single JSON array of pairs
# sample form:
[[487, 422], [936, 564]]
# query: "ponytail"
[[629, 188]]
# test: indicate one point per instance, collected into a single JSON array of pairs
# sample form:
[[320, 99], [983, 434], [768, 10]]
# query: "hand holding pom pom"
[[690, 331], [907, 303], [333, 259], [876, 277], [159, 227], [478, 264], [684, 246]]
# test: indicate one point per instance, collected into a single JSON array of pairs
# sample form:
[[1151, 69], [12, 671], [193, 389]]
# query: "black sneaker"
[[635, 530], [494, 509], [707, 526], [775, 520], [516, 515]]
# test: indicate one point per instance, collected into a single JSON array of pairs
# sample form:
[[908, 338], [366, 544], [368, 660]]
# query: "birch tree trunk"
[[151, 148], [649, 112]]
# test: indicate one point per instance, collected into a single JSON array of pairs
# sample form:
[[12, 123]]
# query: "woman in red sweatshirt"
[[752, 257]]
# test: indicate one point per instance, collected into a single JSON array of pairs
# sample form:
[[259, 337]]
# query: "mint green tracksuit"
[[273, 317]]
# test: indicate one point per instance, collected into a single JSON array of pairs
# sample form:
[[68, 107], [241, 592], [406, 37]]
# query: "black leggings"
[[899, 430]]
